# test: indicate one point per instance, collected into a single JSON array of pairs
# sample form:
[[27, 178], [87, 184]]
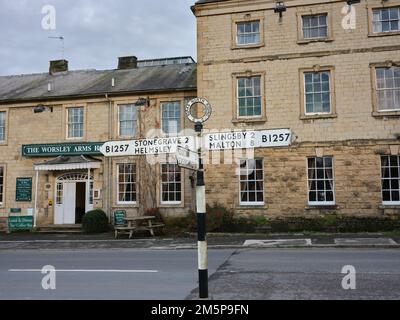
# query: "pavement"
[[37, 241], [235, 274]]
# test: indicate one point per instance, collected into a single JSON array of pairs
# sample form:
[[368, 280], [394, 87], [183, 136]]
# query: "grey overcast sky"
[[96, 32]]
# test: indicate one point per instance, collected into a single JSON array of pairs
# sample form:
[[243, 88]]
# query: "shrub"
[[95, 221], [155, 212]]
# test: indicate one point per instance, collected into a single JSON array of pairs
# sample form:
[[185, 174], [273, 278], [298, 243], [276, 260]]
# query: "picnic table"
[[143, 223]]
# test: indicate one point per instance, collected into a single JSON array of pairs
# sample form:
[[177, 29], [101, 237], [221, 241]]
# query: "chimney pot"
[[127, 63], [58, 66]]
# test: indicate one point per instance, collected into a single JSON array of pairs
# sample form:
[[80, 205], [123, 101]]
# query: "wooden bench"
[[137, 224]]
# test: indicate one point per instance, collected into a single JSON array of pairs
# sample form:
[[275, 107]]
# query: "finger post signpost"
[[201, 195], [188, 154]]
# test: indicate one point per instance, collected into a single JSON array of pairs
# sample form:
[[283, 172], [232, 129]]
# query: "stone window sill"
[[386, 114], [318, 116], [249, 120], [258, 207], [307, 41], [384, 34], [248, 46], [387, 206], [322, 207]]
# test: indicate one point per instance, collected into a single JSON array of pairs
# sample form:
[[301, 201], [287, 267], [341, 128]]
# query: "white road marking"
[[83, 270], [365, 241], [278, 242]]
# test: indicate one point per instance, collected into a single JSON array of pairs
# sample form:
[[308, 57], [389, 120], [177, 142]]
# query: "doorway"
[[73, 198]]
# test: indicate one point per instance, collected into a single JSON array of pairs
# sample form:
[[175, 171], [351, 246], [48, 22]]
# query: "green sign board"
[[119, 218], [20, 223], [24, 190], [15, 210], [63, 149]]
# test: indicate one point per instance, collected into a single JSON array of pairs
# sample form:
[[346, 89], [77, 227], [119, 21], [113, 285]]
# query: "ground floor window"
[[127, 191], [390, 179], [251, 182], [1, 185], [321, 189], [59, 193], [171, 184]]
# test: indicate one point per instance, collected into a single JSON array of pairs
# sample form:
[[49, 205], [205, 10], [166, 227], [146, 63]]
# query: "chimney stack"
[[127, 63], [57, 66]]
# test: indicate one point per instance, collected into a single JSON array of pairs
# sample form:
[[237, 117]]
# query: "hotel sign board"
[[63, 149], [248, 139], [20, 223]]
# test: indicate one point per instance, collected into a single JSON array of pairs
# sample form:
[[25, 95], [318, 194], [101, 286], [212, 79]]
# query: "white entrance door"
[[67, 205], [69, 202]]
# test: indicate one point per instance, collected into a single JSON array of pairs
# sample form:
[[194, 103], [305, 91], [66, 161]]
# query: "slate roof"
[[209, 1], [88, 83]]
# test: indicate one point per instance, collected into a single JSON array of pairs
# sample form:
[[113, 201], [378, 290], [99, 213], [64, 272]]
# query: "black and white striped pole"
[[201, 221], [201, 197]]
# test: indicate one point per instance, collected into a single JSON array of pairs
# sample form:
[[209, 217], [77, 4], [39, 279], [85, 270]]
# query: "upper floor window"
[[1, 185], [386, 20], [2, 126], [317, 93], [390, 179], [75, 122], [249, 97], [315, 26], [388, 88], [171, 117], [127, 193], [127, 115], [321, 188], [248, 33]]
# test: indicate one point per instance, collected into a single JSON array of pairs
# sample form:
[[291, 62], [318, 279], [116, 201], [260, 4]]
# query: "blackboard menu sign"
[[24, 190], [119, 218]]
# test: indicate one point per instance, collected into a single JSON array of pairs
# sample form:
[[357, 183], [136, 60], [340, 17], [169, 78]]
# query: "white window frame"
[[316, 179], [245, 34], [163, 120], [135, 121], [74, 123], [393, 89], [321, 92], [249, 97], [303, 28], [162, 183], [390, 203], [251, 203], [2, 183], [3, 126], [125, 183], [59, 193], [380, 21]]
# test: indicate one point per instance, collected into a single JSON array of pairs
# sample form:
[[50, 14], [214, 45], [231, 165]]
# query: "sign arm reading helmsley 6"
[[146, 146]]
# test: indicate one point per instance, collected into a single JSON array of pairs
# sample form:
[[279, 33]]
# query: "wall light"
[[280, 8]]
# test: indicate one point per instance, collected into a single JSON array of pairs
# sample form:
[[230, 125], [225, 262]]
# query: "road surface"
[[172, 274]]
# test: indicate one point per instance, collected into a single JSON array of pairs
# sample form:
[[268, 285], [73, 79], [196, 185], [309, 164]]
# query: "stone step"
[[75, 228]]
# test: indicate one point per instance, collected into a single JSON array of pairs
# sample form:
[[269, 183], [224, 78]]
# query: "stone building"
[[53, 124], [327, 71]]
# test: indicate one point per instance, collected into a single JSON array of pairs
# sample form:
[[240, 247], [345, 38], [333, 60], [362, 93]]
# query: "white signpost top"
[[248, 139], [146, 146]]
